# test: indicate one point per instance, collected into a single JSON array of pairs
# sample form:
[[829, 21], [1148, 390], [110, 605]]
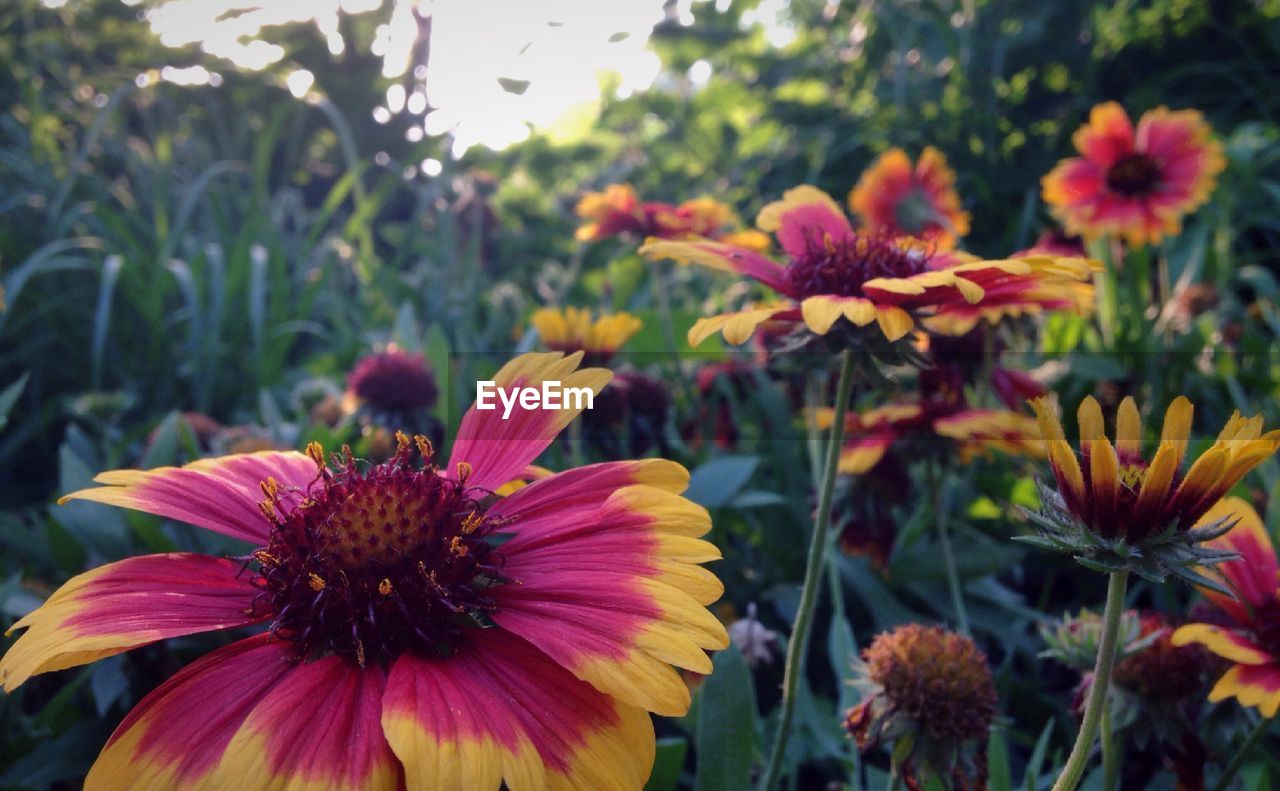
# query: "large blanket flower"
[[917, 200], [421, 632], [833, 272], [1249, 638], [1136, 184]]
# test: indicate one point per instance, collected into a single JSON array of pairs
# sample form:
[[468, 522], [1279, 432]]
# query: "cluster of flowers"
[[480, 621]]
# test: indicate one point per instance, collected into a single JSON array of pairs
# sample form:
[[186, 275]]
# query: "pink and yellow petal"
[[1107, 137], [861, 454], [499, 710], [318, 728], [176, 736], [497, 449], [126, 604], [622, 625], [737, 327], [1255, 575], [1257, 686], [805, 215], [1225, 643], [722, 256], [220, 494]]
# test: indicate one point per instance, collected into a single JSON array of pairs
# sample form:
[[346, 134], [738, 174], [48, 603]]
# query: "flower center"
[[379, 560], [915, 213], [839, 267], [1135, 174]]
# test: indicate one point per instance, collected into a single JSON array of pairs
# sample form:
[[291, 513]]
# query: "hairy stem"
[[797, 646]]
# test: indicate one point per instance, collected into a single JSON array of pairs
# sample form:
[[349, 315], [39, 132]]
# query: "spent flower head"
[[930, 693]]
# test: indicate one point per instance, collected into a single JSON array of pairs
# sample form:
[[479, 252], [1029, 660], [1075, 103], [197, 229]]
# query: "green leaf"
[[668, 764], [717, 482], [998, 776], [726, 725], [9, 397], [842, 650]]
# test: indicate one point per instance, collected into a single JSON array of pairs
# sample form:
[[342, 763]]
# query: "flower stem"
[[944, 541], [1238, 759], [1110, 760], [1079, 758], [798, 644]]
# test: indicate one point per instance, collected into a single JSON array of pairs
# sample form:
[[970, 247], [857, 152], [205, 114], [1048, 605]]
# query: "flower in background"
[[1249, 635], [931, 686], [419, 629], [939, 424], [833, 272], [392, 382], [1159, 670], [1115, 508], [1156, 692], [573, 330], [618, 211], [1137, 184], [1054, 242], [921, 201], [629, 416]]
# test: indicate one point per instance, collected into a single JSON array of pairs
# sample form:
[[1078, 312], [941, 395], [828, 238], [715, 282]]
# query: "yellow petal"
[[820, 313], [1155, 484], [894, 321], [1089, 415], [1128, 429]]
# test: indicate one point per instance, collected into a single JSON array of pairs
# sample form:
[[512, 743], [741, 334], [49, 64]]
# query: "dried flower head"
[[929, 686]]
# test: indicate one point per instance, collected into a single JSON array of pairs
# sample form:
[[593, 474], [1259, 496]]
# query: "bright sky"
[[562, 48]]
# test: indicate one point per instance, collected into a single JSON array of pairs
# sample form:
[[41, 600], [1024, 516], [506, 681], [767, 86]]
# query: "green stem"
[[944, 541], [1079, 758], [1110, 758], [1238, 759], [798, 644], [1105, 285]]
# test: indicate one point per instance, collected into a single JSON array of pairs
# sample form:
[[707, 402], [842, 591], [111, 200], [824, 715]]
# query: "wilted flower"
[[1135, 184], [1116, 509], [1250, 637], [902, 200], [421, 631], [833, 272], [931, 686], [573, 330], [759, 645], [393, 382]]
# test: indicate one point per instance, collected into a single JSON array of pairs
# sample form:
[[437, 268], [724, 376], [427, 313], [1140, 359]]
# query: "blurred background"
[[210, 209]]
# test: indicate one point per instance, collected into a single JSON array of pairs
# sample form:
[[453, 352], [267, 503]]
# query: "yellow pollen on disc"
[[316, 582], [1132, 475]]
